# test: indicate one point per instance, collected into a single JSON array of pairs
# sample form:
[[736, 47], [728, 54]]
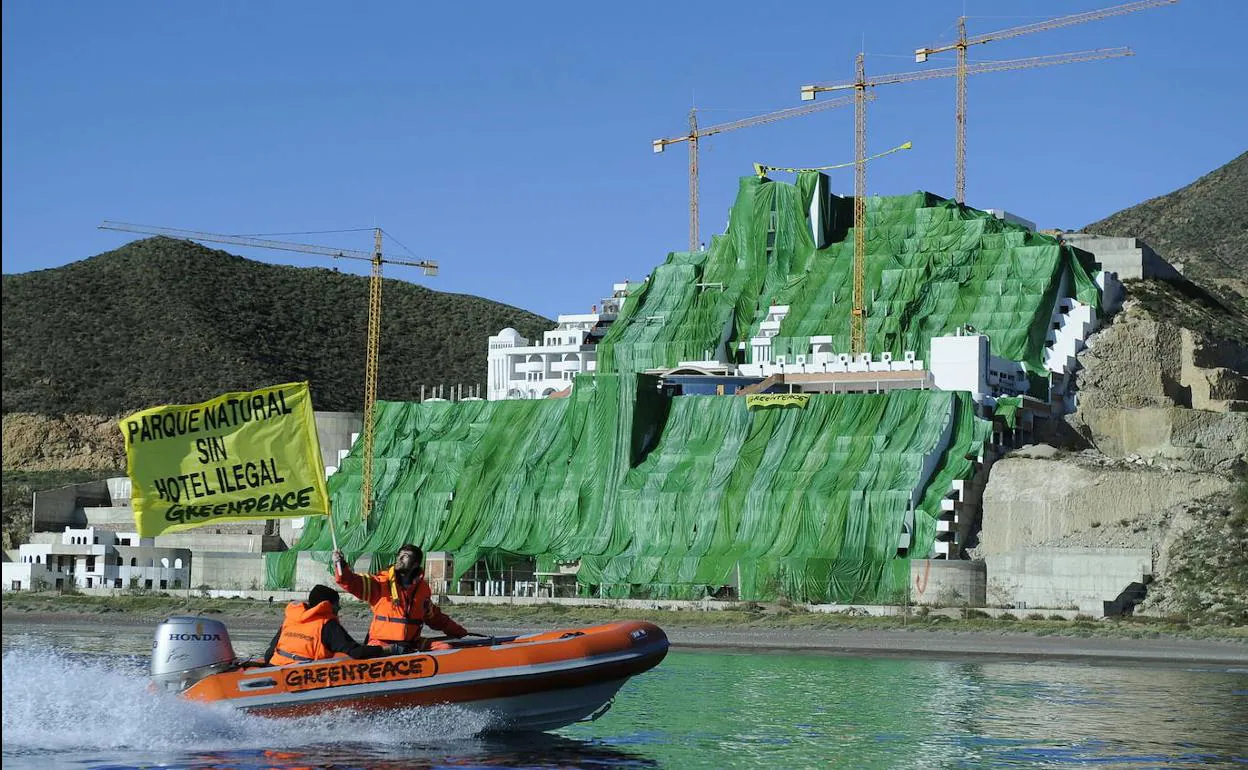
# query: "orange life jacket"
[[300, 637], [398, 616]]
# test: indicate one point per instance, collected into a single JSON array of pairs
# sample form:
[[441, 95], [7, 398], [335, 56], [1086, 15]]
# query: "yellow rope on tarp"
[[762, 170]]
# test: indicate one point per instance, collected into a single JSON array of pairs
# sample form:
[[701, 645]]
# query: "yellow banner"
[[763, 400], [249, 455]]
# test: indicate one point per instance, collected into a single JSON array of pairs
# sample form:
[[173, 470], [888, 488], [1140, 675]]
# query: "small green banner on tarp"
[[768, 400]]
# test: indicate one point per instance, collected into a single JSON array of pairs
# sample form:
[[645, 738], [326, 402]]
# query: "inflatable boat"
[[532, 682]]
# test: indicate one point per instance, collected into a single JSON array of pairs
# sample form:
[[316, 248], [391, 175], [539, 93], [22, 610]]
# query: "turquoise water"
[[66, 704]]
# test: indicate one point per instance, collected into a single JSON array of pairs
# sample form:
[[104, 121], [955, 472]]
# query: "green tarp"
[[932, 267], [658, 496], [1007, 409], [675, 497]]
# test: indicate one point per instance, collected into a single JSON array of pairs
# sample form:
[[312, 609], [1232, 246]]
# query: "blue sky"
[[511, 141]]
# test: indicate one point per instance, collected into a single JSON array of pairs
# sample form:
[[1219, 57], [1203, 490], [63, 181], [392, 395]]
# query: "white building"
[[519, 370], [96, 558]]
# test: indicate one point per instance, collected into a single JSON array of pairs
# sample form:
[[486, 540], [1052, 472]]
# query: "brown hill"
[[1201, 228], [162, 321]]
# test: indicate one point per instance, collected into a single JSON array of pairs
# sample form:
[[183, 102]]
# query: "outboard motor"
[[187, 649]]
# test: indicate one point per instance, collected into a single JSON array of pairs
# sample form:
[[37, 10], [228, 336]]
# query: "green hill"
[[1202, 227], [167, 321]]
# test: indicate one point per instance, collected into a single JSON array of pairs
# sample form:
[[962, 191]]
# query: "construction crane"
[[373, 345], [859, 85], [696, 133], [964, 42]]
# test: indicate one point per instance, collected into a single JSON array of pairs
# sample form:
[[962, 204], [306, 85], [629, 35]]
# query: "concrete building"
[[1128, 258], [97, 558], [519, 370]]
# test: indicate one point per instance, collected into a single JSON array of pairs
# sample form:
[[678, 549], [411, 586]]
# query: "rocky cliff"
[[1154, 461]]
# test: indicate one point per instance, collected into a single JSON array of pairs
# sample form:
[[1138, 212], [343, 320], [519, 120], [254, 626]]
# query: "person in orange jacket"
[[401, 600], [311, 631]]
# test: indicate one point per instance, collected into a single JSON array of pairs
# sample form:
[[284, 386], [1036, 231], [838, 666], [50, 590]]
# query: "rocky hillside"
[[1154, 458], [1194, 524], [76, 442], [1202, 228], [166, 321], [1156, 385], [1167, 401]]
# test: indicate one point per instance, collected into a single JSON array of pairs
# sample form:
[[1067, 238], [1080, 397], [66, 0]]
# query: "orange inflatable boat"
[[534, 682]]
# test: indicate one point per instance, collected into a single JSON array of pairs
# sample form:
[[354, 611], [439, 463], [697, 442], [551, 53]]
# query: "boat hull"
[[537, 682]]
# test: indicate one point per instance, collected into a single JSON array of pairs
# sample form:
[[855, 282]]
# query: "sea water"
[[69, 704]]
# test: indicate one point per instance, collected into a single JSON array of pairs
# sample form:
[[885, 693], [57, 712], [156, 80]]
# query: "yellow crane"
[[859, 85], [374, 309], [964, 42], [696, 133]]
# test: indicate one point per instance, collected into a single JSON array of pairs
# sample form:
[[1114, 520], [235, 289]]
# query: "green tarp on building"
[[675, 497]]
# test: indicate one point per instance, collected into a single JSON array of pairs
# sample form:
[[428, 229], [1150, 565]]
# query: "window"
[[16, 585], [147, 584], [117, 583], [177, 563], [164, 562], [134, 562]]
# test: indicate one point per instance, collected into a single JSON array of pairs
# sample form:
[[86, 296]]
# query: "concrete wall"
[[1036, 502], [235, 571], [960, 363], [1128, 257], [1083, 578], [197, 541], [309, 572], [224, 570], [111, 517], [334, 430], [58, 508], [947, 582]]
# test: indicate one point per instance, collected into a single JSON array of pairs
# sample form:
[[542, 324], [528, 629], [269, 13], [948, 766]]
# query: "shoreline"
[[922, 642]]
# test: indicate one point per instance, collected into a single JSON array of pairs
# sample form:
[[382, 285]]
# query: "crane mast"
[[959, 152], [857, 326], [963, 43], [373, 340], [858, 85], [372, 352], [696, 133], [694, 241]]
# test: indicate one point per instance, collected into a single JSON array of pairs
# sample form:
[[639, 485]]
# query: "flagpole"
[[333, 535]]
